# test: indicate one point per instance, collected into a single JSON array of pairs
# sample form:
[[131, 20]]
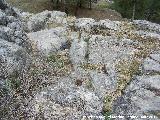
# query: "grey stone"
[[48, 41], [151, 65], [66, 96], [82, 90], [55, 14], [7, 34], [149, 81], [102, 83], [3, 18], [146, 34], [13, 57], [107, 50], [39, 21], [108, 24], [146, 25], [85, 23], [78, 51], [14, 36], [140, 97], [3, 4], [11, 19], [155, 56], [16, 25]]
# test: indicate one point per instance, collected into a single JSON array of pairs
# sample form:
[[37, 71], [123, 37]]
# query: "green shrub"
[[144, 9]]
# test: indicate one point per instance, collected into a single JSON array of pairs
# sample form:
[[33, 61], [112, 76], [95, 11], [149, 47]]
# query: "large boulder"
[[40, 21], [48, 41], [14, 44], [78, 51], [37, 22], [3, 4], [85, 24], [152, 63], [108, 24], [66, 101], [141, 98], [13, 58], [146, 25], [108, 49], [14, 33], [3, 18], [146, 34]]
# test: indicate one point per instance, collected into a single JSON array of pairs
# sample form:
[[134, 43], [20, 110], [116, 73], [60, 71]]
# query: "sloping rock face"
[[81, 68], [14, 41], [56, 40], [141, 99], [14, 52], [105, 57], [46, 19], [146, 25]]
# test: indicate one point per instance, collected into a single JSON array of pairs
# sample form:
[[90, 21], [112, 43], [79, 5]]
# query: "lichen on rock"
[[54, 66]]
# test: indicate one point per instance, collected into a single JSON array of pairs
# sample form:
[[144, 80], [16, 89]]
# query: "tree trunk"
[[57, 2], [77, 5], [134, 9], [90, 4], [80, 3]]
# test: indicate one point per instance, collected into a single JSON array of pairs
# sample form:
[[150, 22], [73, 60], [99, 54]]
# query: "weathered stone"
[[48, 41], [145, 34], [146, 25], [108, 24], [14, 36], [37, 22], [3, 4], [151, 65], [41, 20], [149, 81], [3, 18], [15, 58], [65, 95], [102, 83], [7, 34], [155, 56], [85, 23], [142, 95], [108, 49], [78, 51], [91, 66]]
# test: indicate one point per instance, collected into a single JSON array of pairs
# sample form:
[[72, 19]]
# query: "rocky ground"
[[56, 67]]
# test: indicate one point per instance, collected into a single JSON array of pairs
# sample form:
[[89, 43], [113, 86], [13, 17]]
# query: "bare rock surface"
[[146, 25], [79, 67], [99, 60], [12, 53], [37, 22], [48, 41], [14, 56], [142, 96], [13, 40]]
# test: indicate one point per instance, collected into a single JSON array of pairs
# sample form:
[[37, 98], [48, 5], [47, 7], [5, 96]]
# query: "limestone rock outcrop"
[[80, 68]]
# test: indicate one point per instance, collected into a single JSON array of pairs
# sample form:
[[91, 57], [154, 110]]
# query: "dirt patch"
[[35, 6], [99, 14]]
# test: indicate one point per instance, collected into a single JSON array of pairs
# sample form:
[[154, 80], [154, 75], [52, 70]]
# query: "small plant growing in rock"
[[89, 84], [60, 62], [107, 115], [56, 61]]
